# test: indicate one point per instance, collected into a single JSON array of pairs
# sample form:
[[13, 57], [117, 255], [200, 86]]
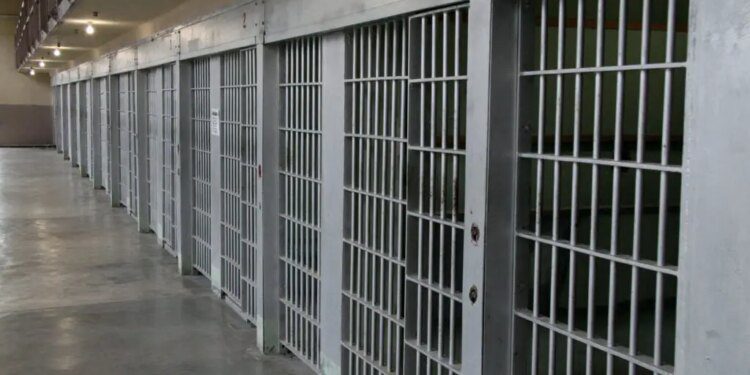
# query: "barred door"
[[104, 123], [599, 192], [169, 158], [153, 120], [128, 144], [300, 177], [375, 199], [64, 111], [73, 122], [83, 137], [201, 165], [436, 162], [239, 179]]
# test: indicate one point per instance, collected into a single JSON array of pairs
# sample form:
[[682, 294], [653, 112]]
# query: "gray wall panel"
[[25, 125]]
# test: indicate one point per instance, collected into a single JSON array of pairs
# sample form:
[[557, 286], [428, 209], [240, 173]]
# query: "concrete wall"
[[25, 101]]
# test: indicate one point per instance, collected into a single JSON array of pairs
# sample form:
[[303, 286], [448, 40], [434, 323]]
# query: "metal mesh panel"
[[128, 144], [169, 158], [300, 175], [239, 178], [437, 137], [201, 166], [599, 185], [375, 199], [153, 122], [104, 124]]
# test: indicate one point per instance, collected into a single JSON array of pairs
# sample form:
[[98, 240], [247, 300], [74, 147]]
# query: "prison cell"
[[104, 124], [153, 121], [87, 121], [300, 133], [60, 131], [124, 144], [437, 102], [603, 91], [64, 121], [595, 185], [128, 143], [84, 155], [201, 165], [375, 198], [168, 146], [73, 123], [239, 178]]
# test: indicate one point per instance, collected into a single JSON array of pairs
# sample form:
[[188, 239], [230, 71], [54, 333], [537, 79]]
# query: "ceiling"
[[10, 7], [114, 19]]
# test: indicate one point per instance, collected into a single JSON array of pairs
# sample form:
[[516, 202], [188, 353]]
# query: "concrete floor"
[[82, 292]]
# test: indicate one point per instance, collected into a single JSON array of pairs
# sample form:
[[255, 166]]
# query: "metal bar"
[[604, 162], [607, 69]]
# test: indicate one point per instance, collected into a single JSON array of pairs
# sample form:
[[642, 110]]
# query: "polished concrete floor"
[[82, 292]]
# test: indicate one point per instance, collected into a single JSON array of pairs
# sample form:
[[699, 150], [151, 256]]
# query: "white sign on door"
[[215, 130]]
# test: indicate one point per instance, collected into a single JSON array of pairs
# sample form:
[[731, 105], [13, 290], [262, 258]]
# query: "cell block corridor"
[[436, 187]]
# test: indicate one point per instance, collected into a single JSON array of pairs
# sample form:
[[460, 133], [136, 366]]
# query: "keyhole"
[[474, 234], [473, 294]]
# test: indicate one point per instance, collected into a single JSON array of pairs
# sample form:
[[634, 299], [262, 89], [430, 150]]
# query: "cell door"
[[104, 123], [375, 199], [201, 165], [124, 144], [83, 127], [132, 147], [64, 120], [436, 194], [239, 179], [169, 155], [128, 144], [153, 128], [73, 120], [58, 119], [596, 257], [300, 177], [89, 131]]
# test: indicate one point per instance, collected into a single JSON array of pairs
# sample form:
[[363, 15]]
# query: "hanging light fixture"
[[32, 72], [42, 64], [56, 51], [90, 26]]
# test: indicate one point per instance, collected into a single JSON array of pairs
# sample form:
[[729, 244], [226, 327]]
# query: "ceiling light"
[[42, 64], [90, 29], [32, 72], [56, 51]]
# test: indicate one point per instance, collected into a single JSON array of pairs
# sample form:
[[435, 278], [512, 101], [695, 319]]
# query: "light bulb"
[[56, 52], [42, 64], [90, 29], [32, 72]]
